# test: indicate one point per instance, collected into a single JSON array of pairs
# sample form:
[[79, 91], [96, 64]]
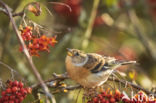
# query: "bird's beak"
[[69, 52]]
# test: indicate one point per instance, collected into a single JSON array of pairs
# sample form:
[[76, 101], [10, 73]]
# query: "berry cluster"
[[118, 97], [41, 44], [26, 33], [107, 97], [36, 44], [14, 92]]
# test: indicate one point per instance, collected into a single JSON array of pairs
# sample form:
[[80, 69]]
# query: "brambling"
[[90, 69]]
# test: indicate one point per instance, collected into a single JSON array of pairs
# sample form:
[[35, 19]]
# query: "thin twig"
[[68, 88], [7, 66], [13, 14], [18, 14], [11, 69], [54, 78], [34, 69], [131, 84]]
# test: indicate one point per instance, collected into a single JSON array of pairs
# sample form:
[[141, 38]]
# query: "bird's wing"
[[95, 63], [107, 64]]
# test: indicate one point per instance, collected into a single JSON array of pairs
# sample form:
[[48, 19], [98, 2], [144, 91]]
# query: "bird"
[[91, 70]]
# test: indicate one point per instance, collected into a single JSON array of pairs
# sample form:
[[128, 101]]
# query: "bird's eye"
[[76, 54]]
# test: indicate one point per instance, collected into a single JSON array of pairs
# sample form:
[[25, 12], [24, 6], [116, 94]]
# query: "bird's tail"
[[122, 62]]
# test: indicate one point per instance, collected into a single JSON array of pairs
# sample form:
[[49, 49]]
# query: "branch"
[[55, 77], [18, 14], [62, 77], [68, 88], [29, 59], [54, 82], [131, 84], [13, 14]]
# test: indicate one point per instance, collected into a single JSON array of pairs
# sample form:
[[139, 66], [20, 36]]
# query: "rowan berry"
[[14, 92]]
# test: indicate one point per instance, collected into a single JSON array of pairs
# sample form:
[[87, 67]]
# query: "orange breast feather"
[[76, 73]]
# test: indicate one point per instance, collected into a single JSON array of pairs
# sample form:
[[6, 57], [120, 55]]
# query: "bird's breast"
[[83, 76], [75, 72]]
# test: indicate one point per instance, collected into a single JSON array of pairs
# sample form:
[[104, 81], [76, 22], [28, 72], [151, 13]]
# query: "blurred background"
[[125, 29]]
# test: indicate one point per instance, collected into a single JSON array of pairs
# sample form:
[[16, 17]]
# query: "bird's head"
[[78, 58]]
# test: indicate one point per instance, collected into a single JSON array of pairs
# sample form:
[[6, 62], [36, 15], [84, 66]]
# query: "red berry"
[[6, 98], [3, 93], [11, 101], [107, 101], [112, 100], [108, 96], [15, 83], [125, 100], [19, 94], [103, 94], [21, 98], [20, 84], [8, 90], [14, 89], [17, 101], [103, 100], [23, 91], [12, 97], [95, 99], [100, 96]]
